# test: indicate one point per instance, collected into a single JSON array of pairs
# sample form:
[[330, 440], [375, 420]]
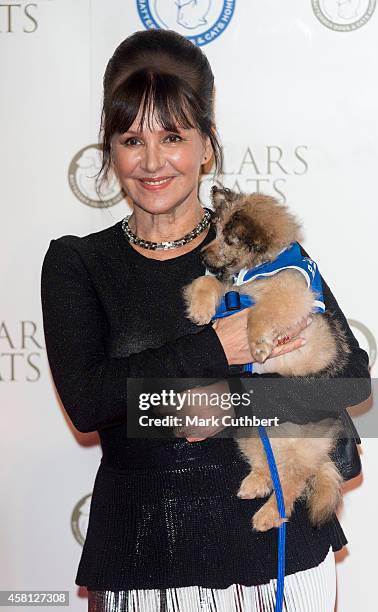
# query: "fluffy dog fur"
[[252, 229]]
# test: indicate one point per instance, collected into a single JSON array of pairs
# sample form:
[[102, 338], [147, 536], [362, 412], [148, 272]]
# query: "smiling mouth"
[[156, 181], [156, 185]]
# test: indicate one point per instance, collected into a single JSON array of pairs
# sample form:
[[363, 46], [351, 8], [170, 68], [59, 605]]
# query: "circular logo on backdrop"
[[343, 15], [199, 20], [366, 340], [80, 518], [81, 177]]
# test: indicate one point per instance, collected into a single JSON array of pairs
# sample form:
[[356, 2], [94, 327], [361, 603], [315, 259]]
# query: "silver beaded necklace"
[[169, 244]]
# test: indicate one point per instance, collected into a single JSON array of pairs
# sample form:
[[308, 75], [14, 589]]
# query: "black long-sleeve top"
[[164, 513]]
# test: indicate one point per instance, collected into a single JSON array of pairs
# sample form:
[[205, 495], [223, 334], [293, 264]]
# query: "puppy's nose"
[[214, 189]]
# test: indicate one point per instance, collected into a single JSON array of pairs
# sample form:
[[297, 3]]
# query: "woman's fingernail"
[[303, 341], [309, 321]]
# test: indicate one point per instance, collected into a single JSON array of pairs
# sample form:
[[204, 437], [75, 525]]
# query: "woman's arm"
[[92, 386], [358, 365], [304, 399]]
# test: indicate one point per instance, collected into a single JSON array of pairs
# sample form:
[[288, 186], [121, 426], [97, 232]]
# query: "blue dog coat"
[[289, 258]]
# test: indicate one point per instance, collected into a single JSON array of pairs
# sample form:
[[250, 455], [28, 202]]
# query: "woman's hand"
[[232, 333], [233, 337]]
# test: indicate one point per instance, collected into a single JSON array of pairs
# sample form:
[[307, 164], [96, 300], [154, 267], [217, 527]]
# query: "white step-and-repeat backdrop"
[[296, 108]]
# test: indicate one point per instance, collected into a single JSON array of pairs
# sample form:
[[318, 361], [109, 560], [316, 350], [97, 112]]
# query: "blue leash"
[[281, 510], [232, 303]]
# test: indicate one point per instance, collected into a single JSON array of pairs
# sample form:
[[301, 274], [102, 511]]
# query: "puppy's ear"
[[241, 230]]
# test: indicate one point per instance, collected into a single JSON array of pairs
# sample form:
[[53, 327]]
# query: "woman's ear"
[[208, 151]]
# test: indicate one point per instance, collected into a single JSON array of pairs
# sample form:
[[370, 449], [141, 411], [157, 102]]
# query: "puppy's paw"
[[267, 518], [261, 348], [200, 303], [201, 310], [255, 485]]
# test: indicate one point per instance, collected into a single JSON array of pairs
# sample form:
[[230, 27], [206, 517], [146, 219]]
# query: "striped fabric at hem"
[[311, 590]]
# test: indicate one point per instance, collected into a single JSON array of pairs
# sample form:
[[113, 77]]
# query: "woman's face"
[[159, 154]]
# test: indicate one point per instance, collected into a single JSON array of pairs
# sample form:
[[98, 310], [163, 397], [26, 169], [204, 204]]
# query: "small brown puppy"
[[252, 229]]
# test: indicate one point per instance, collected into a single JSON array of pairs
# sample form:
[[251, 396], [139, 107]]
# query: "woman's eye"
[[129, 141], [174, 136]]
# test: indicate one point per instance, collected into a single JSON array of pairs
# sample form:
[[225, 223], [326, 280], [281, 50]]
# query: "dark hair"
[[170, 76]]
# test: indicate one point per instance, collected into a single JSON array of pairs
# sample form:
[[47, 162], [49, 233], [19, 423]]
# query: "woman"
[[166, 530]]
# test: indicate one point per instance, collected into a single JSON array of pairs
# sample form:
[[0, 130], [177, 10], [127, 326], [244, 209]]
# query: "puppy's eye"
[[231, 239]]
